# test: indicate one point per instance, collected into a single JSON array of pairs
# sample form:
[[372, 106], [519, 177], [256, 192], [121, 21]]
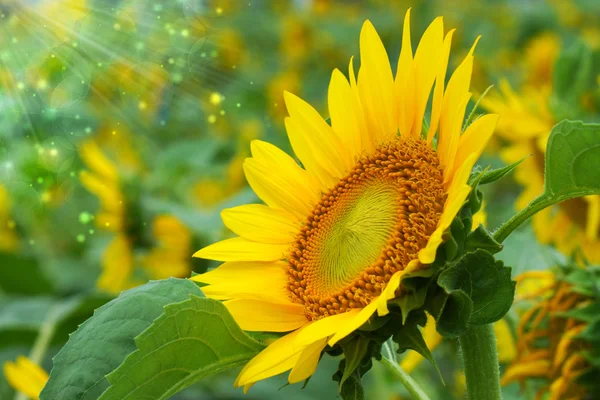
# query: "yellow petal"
[[172, 234], [438, 91], [354, 322], [522, 370], [247, 280], [98, 162], [25, 376], [261, 223], [344, 115], [163, 263], [117, 265], [240, 249], [592, 226], [314, 142], [279, 162], [325, 327], [277, 191], [108, 193], [507, 350], [278, 357], [427, 57], [474, 140], [376, 85], [261, 316], [457, 90], [390, 289], [404, 82], [308, 362], [452, 137]]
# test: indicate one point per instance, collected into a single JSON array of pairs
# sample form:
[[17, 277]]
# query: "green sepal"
[[413, 295], [480, 238], [354, 353], [352, 389], [494, 175], [411, 338], [451, 311], [486, 282]]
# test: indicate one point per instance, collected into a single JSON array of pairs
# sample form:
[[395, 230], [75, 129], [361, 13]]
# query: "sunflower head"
[[558, 349], [370, 204]]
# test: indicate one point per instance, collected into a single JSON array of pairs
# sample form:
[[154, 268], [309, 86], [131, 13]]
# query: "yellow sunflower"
[[26, 376], [376, 191], [526, 124], [171, 238], [557, 342], [8, 237]]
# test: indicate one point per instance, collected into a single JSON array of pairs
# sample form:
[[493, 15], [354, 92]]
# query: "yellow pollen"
[[371, 224]]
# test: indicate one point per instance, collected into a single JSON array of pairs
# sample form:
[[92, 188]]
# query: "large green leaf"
[[486, 282], [191, 340], [572, 170], [101, 343]]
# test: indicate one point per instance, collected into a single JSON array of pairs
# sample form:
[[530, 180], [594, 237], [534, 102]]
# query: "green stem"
[[409, 383], [480, 357]]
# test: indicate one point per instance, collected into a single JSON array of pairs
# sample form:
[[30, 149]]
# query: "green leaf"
[[573, 160], [352, 389], [191, 340], [498, 173], [454, 312], [486, 282], [410, 337], [22, 275], [480, 238], [354, 352], [101, 343]]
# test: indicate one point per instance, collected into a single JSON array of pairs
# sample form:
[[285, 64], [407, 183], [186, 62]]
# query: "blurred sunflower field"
[[135, 134]]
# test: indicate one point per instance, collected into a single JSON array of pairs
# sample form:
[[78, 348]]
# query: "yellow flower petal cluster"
[[26, 376], [374, 195]]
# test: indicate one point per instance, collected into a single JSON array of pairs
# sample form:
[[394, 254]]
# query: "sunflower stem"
[[480, 356], [389, 360], [519, 218]]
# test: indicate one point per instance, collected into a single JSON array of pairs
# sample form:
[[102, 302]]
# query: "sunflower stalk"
[[389, 360], [480, 357]]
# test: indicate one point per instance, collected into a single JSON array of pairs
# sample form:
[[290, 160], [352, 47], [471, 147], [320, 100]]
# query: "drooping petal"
[[314, 142], [280, 356], [247, 280], [240, 249], [376, 85], [308, 361], [355, 321], [391, 287], [260, 223], [261, 316], [325, 327], [426, 66]]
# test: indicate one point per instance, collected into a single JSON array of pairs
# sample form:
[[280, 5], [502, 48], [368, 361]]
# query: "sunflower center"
[[371, 224]]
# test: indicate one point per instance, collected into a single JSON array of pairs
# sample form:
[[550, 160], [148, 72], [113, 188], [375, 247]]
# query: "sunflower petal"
[[95, 159], [427, 58], [240, 249], [261, 223], [308, 362], [280, 356], [246, 280], [261, 316], [117, 265], [474, 140], [404, 82], [314, 142], [344, 115], [276, 191], [325, 327], [376, 85], [355, 321], [438, 91]]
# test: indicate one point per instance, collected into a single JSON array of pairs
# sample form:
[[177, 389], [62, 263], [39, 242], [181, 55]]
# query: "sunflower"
[[26, 376], [167, 252], [525, 126], [558, 335], [8, 237], [376, 191]]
